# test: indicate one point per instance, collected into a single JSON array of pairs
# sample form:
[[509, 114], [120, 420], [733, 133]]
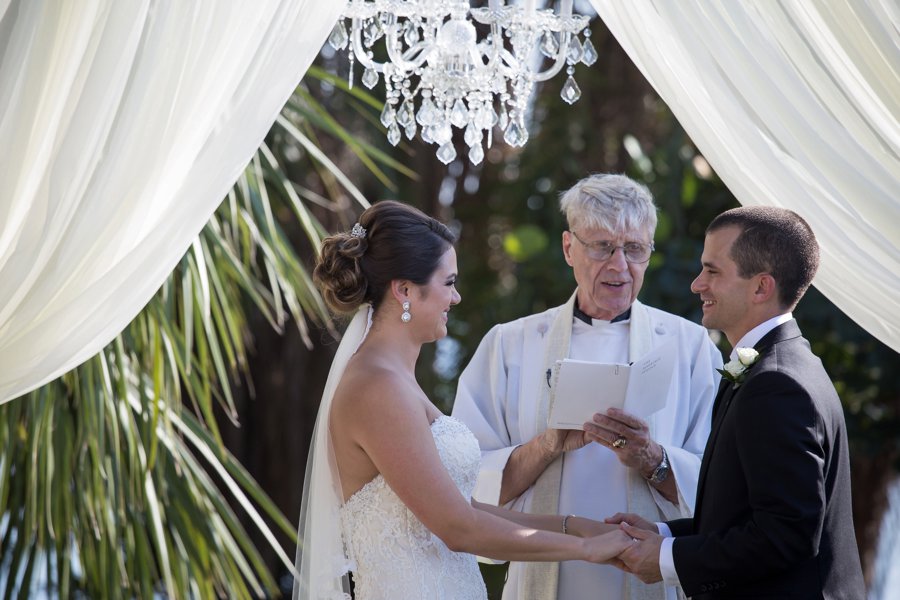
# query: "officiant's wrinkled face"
[[606, 287], [432, 302]]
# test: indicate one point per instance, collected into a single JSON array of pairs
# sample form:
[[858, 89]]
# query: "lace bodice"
[[394, 556]]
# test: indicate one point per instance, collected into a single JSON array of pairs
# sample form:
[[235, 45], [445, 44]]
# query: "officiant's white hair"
[[613, 202]]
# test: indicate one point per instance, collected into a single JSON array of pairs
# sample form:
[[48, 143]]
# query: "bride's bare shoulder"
[[373, 386]]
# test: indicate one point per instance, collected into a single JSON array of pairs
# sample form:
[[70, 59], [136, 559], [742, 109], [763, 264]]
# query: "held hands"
[[642, 556], [633, 520], [608, 548], [631, 549], [628, 437]]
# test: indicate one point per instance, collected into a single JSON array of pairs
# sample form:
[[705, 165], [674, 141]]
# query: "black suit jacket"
[[773, 515]]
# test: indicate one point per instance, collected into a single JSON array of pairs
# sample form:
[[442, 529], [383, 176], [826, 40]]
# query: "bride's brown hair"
[[399, 242]]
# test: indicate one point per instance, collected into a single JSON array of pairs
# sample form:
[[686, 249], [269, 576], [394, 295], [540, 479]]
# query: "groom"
[[773, 501]]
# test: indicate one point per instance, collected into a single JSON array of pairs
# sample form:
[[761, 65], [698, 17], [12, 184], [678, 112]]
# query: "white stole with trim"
[[540, 579]]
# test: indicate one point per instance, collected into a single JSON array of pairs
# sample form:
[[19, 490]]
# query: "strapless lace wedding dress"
[[394, 556]]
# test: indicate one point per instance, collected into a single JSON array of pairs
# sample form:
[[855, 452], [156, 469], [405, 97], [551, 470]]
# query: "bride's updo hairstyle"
[[392, 241]]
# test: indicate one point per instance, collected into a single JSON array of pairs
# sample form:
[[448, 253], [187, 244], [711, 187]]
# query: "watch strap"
[[661, 472]]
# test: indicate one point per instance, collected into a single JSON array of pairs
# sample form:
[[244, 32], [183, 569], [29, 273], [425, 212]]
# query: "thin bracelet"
[[565, 521]]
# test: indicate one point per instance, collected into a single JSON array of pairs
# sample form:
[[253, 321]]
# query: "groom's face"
[[726, 296]]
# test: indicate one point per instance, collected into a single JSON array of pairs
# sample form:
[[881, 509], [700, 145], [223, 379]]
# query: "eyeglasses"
[[635, 252]]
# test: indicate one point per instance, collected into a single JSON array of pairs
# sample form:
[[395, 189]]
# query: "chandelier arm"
[[560, 59], [361, 55], [501, 59], [400, 60], [508, 65], [416, 54]]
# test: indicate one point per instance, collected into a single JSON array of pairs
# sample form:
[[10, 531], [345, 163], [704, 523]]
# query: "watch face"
[[662, 471]]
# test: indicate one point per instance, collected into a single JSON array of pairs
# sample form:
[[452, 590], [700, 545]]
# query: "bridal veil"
[[322, 564]]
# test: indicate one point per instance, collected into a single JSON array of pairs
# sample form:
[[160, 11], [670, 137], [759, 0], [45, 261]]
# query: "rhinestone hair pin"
[[358, 231]]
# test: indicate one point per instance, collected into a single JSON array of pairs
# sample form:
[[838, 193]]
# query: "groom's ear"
[[766, 289]]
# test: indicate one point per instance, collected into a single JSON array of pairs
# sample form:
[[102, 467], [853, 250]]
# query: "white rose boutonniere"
[[736, 370]]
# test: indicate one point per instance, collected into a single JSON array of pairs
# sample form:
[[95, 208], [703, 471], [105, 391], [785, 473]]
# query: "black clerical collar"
[[583, 316]]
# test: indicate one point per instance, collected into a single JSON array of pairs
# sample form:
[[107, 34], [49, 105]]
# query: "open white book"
[[581, 388]]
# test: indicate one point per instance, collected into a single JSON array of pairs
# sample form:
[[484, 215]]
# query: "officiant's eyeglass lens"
[[635, 252]]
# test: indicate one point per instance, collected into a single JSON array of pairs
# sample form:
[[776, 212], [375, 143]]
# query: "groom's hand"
[[633, 520], [642, 557]]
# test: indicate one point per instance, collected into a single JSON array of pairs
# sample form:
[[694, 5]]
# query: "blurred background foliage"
[[228, 362]]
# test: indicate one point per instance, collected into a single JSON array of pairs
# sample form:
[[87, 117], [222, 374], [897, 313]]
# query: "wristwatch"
[[662, 471]]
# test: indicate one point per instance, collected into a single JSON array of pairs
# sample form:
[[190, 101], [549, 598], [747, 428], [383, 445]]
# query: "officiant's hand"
[[627, 436], [528, 461], [556, 441]]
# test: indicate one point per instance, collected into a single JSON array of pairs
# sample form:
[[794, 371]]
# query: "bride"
[[389, 480]]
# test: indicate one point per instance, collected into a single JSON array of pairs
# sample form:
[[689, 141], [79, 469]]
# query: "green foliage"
[[525, 242]]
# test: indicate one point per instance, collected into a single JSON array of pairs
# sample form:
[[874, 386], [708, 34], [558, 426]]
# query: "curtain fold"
[[794, 104], [123, 126]]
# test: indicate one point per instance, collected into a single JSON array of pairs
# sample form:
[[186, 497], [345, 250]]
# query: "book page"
[[583, 388], [649, 381]]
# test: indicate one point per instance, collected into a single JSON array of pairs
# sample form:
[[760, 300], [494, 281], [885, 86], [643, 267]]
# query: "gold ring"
[[619, 442]]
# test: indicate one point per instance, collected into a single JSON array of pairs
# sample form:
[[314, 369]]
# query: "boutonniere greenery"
[[736, 370]]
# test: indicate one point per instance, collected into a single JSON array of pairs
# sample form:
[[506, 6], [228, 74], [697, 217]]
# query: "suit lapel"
[[724, 384], [720, 407]]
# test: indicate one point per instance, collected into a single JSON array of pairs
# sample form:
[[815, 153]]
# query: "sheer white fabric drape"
[[123, 125], [794, 104]]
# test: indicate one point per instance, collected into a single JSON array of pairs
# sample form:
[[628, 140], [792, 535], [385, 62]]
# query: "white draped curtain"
[[122, 126], [795, 103]]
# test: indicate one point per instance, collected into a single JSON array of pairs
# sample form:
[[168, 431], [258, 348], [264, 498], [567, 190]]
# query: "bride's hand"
[[584, 528], [605, 549]]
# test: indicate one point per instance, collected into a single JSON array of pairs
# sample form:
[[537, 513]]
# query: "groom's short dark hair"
[[776, 241]]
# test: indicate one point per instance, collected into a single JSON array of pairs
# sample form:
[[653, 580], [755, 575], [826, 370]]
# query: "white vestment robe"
[[498, 401]]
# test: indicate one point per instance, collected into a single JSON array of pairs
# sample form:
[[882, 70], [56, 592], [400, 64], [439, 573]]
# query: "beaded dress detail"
[[394, 556]]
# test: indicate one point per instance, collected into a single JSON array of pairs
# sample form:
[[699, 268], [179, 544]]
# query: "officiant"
[[618, 463]]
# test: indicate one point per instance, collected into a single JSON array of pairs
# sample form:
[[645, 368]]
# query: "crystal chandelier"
[[435, 61]]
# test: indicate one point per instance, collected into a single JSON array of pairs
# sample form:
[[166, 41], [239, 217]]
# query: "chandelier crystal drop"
[[438, 75]]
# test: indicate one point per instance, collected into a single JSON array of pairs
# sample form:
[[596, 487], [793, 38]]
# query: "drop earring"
[[405, 317]]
